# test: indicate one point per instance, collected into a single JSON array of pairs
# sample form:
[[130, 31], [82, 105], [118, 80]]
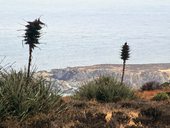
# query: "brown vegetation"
[[123, 114], [140, 113]]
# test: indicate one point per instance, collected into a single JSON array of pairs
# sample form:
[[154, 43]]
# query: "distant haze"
[[86, 32]]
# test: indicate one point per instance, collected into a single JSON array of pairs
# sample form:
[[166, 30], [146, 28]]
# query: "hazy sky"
[[42, 5], [87, 2], [79, 4]]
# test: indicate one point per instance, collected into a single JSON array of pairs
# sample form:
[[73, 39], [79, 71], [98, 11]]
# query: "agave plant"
[[125, 55], [31, 38]]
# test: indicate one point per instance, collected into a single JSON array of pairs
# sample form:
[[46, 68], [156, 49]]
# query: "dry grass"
[[140, 113], [124, 114]]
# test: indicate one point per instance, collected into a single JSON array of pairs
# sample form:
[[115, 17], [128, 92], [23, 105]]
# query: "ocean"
[[86, 32]]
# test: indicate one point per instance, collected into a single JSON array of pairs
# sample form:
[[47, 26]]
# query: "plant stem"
[[29, 62], [123, 72]]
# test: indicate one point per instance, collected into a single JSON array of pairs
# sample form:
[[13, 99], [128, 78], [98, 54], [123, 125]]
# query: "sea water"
[[86, 32]]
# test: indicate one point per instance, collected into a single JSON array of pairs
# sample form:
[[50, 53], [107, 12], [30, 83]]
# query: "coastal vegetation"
[[105, 89], [31, 38], [27, 103], [125, 55], [151, 85], [161, 96], [28, 100]]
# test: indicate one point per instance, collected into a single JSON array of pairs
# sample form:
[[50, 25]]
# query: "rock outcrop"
[[135, 75]]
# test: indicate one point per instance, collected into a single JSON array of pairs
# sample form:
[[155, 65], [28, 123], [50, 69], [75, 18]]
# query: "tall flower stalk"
[[125, 55], [31, 38]]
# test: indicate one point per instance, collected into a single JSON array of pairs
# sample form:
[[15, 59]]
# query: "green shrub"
[[152, 85], [21, 100], [105, 89], [165, 85], [161, 96]]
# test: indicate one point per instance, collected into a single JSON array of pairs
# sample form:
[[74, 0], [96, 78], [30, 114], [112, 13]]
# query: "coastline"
[[145, 65], [70, 78]]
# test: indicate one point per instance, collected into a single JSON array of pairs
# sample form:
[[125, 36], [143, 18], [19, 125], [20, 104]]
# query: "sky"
[[76, 3]]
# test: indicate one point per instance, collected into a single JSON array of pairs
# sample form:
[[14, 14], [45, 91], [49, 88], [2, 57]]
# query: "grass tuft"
[[152, 85], [161, 96], [105, 89], [21, 100]]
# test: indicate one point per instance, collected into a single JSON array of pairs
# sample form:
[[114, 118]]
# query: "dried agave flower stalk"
[[125, 55], [31, 38]]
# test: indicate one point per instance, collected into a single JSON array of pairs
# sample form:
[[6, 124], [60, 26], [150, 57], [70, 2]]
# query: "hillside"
[[136, 74]]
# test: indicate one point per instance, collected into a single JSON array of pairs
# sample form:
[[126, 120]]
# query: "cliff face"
[[136, 75]]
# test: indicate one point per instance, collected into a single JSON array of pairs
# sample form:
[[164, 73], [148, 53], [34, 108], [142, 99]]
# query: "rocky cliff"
[[70, 78]]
